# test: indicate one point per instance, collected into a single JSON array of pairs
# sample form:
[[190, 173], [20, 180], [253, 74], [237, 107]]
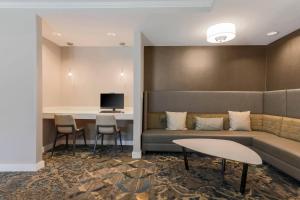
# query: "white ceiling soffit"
[[169, 26], [73, 4]]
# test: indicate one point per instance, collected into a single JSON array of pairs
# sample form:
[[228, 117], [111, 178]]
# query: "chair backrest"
[[64, 120], [106, 123]]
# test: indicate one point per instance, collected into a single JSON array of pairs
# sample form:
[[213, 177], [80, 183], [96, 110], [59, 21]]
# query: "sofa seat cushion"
[[160, 136], [284, 149]]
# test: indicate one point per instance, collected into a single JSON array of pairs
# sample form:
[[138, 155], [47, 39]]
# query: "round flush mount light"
[[272, 33], [111, 34], [221, 33]]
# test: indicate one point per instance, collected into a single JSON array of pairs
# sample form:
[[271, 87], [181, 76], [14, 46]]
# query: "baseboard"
[[136, 154], [22, 167], [40, 165], [89, 142], [47, 147], [106, 142]]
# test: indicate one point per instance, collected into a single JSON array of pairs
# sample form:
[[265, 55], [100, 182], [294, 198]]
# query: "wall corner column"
[[138, 88], [20, 78]]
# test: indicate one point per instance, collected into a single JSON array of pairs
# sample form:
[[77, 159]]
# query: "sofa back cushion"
[[157, 120], [272, 124], [256, 121], [290, 128], [281, 126]]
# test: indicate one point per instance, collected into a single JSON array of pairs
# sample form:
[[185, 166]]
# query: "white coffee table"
[[225, 149]]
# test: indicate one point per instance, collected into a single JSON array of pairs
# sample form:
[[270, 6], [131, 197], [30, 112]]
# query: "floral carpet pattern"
[[111, 174]]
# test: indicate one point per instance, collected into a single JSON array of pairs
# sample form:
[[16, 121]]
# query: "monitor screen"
[[112, 100]]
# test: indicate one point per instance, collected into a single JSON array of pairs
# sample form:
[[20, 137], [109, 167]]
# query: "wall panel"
[[225, 68], [283, 63]]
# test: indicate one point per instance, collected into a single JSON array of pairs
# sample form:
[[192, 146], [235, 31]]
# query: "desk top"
[[85, 112]]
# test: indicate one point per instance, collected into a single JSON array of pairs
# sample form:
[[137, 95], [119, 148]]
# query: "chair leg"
[[121, 141], [54, 143], [74, 143], [116, 141], [83, 134], [102, 139], [67, 141], [96, 138]]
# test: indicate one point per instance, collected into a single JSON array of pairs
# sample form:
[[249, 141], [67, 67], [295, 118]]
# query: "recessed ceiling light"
[[56, 34], [111, 34], [272, 33], [220, 33]]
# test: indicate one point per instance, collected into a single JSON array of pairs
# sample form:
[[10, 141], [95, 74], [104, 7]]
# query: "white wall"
[[94, 70], [21, 99], [51, 61]]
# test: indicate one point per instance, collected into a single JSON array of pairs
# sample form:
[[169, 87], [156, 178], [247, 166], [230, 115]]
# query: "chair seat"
[[109, 131], [69, 131]]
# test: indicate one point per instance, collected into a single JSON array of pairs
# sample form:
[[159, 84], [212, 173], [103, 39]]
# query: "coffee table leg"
[[223, 166], [244, 178], [186, 164]]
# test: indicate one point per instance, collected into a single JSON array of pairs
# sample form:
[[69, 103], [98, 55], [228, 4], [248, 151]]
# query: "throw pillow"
[[176, 120], [239, 121], [209, 124]]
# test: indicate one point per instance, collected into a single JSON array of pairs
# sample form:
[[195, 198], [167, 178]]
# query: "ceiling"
[[163, 22]]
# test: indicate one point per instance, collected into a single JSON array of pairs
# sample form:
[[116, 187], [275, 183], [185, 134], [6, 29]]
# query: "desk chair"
[[107, 125], [65, 125]]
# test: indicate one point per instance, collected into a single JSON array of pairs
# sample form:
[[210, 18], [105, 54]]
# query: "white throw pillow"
[[176, 120], [209, 124], [239, 121]]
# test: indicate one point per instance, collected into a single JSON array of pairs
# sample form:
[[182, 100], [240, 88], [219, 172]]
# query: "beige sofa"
[[276, 139]]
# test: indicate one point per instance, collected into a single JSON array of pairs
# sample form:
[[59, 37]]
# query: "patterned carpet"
[[113, 174]]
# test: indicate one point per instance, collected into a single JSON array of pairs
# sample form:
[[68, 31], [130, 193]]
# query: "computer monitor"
[[112, 101]]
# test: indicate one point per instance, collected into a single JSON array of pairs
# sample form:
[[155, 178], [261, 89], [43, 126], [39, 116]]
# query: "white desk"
[[85, 112]]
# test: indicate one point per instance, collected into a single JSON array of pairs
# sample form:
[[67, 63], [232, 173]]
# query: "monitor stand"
[[111, 111]]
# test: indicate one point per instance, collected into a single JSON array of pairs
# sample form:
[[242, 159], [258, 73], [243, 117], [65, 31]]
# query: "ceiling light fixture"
[[111, 34], [56, 34], [272, 33], [221, 33]]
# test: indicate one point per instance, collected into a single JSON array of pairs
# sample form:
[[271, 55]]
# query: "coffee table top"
[[222, 148]]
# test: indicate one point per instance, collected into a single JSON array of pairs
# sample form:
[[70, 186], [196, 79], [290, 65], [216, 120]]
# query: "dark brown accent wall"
[[283, 61], [231, 68]]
